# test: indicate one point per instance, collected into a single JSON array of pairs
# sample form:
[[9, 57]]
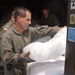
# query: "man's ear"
[[18, 18]]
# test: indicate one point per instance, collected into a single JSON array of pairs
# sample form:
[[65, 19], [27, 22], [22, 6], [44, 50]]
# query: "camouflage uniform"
[[51, 20], [12, 44]]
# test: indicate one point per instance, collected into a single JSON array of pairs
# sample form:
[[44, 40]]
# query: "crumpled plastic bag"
[[50, 49], [49, 67]]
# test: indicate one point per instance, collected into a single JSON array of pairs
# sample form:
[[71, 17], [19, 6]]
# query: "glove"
[[25, 57]]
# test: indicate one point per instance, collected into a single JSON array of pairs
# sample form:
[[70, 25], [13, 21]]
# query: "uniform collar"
[[14, 29]]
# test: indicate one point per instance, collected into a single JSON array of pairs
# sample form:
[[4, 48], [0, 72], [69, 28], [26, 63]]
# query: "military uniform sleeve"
[[7, 54], [42, 31]]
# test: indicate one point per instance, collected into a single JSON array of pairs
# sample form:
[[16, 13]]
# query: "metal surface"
[[70, 47]]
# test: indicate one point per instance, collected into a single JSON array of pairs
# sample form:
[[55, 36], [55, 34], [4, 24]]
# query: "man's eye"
[[28, 20]]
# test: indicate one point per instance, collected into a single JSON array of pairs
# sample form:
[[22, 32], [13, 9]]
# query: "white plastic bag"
[[46, 67], [52, 49]]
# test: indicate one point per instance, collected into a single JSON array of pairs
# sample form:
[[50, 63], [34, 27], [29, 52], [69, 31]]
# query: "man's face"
[[26, 21], [45, 12]]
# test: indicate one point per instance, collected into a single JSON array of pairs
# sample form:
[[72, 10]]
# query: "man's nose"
[[29, 22]]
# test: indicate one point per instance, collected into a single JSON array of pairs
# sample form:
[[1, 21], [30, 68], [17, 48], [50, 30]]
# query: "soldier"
[[8, 24], [17, 37], [48, 18]]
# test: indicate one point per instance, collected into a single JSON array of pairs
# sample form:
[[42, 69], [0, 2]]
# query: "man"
[[9, 24], [48, 18], [17, 37]]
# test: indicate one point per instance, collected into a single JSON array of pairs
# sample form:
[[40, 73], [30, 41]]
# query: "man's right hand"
[[25, 57]]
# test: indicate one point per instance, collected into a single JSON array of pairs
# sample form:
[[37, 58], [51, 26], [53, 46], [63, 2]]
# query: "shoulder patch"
[[5, 28]]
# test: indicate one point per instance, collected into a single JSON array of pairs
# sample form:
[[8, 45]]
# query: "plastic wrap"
[[49, 49], [50, 67]]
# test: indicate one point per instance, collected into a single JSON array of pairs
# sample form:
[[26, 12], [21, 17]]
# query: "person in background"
[[17, 37], [48, 18], [9, 24]]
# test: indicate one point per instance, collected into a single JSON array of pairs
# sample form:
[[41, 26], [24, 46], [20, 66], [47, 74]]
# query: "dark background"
[[59, 7]]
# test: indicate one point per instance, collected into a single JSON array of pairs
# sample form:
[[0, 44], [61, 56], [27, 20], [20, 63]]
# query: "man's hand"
[[59, 28], [25, 57]]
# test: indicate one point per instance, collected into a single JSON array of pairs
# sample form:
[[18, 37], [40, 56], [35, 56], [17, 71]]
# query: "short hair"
[[21, 11], [45, 7]]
